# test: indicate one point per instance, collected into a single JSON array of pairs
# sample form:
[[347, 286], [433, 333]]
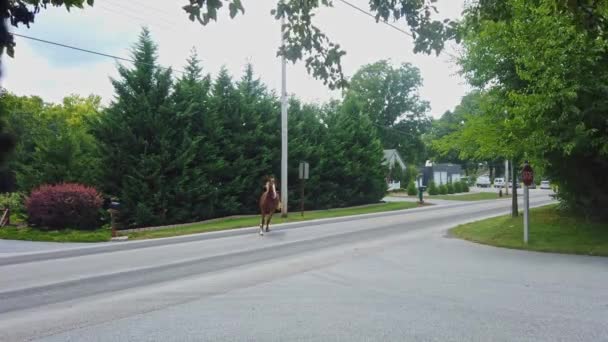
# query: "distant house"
[[392, 157], [441, 173]]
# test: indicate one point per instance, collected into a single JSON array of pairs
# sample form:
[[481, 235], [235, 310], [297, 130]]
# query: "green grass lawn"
[[479, 196], [67, 235], [233, 223], [99, 235], [550, 231]]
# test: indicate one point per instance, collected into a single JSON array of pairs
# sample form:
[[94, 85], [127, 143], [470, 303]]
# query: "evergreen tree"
[[352, 164], [258, 137], [227, 173], [7, 141], [138, 135], [307, 137], [196, 194]]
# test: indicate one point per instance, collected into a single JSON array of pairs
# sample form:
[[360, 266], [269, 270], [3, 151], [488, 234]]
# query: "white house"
[[390, 158], [441, 173]]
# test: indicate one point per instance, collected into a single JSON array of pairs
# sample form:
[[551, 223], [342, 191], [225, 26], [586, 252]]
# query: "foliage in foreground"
[[550, 109]]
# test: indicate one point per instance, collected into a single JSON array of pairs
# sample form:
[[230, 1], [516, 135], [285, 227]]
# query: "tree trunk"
[[514, 209]]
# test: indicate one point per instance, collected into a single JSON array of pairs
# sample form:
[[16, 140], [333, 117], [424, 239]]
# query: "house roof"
[[390, 156], [450, 168]]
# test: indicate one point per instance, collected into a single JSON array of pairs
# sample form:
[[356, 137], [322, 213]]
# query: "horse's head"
[[271, 186]]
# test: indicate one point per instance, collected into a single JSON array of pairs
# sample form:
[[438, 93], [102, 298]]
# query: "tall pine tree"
[[196, 194], [228, 174], [307, 136], [259, 138], [352, 163], [138, 135]]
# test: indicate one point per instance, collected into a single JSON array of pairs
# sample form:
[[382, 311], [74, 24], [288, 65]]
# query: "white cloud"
[[32, 74], [113, 27]]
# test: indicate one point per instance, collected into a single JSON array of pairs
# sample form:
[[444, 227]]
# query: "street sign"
[[303, 170], [527, 174], [303, 178]]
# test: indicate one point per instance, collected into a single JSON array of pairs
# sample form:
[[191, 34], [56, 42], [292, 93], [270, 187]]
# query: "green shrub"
[[411, 189], [433, 190], [457, 187], [410, 174], [450, 188], [443, 189], [13, 201], [465, 187]]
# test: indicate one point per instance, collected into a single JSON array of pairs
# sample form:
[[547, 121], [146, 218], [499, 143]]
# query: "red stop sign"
[[527, 175]]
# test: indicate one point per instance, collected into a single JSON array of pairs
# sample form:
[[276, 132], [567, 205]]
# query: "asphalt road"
[[394, 276]]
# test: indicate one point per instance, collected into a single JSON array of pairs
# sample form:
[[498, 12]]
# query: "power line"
[[373, 16], [91, 51], [150, 7], [385, 22], [392, 129], [136, 18], [130, 9]]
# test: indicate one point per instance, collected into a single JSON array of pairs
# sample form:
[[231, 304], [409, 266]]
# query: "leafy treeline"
[[541, 67], [446, 150], [54, 141], [187, 147]]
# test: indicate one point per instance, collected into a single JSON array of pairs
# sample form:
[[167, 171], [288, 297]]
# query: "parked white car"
[[545, 185], [483, 182], [499, 182]]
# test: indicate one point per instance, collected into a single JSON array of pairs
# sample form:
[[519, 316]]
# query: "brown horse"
[[269, 203]]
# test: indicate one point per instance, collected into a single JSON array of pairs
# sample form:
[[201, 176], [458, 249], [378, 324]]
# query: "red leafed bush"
[[64, 206]]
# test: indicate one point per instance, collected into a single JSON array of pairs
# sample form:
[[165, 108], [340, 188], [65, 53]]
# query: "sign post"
[[303, 177], [527, 176]]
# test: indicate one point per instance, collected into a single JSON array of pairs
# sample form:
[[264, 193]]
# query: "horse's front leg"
[[262, 224], [268, 222]]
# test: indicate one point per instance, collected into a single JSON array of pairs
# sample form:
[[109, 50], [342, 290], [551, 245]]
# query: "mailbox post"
[[421, 189], [113, 209]]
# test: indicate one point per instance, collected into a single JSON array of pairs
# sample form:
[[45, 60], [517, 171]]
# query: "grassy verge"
[[480, 196], [233, 223], [67, 235], [550, 231]]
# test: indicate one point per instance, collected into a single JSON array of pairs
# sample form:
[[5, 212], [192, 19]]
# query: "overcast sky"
[[112, 26]]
